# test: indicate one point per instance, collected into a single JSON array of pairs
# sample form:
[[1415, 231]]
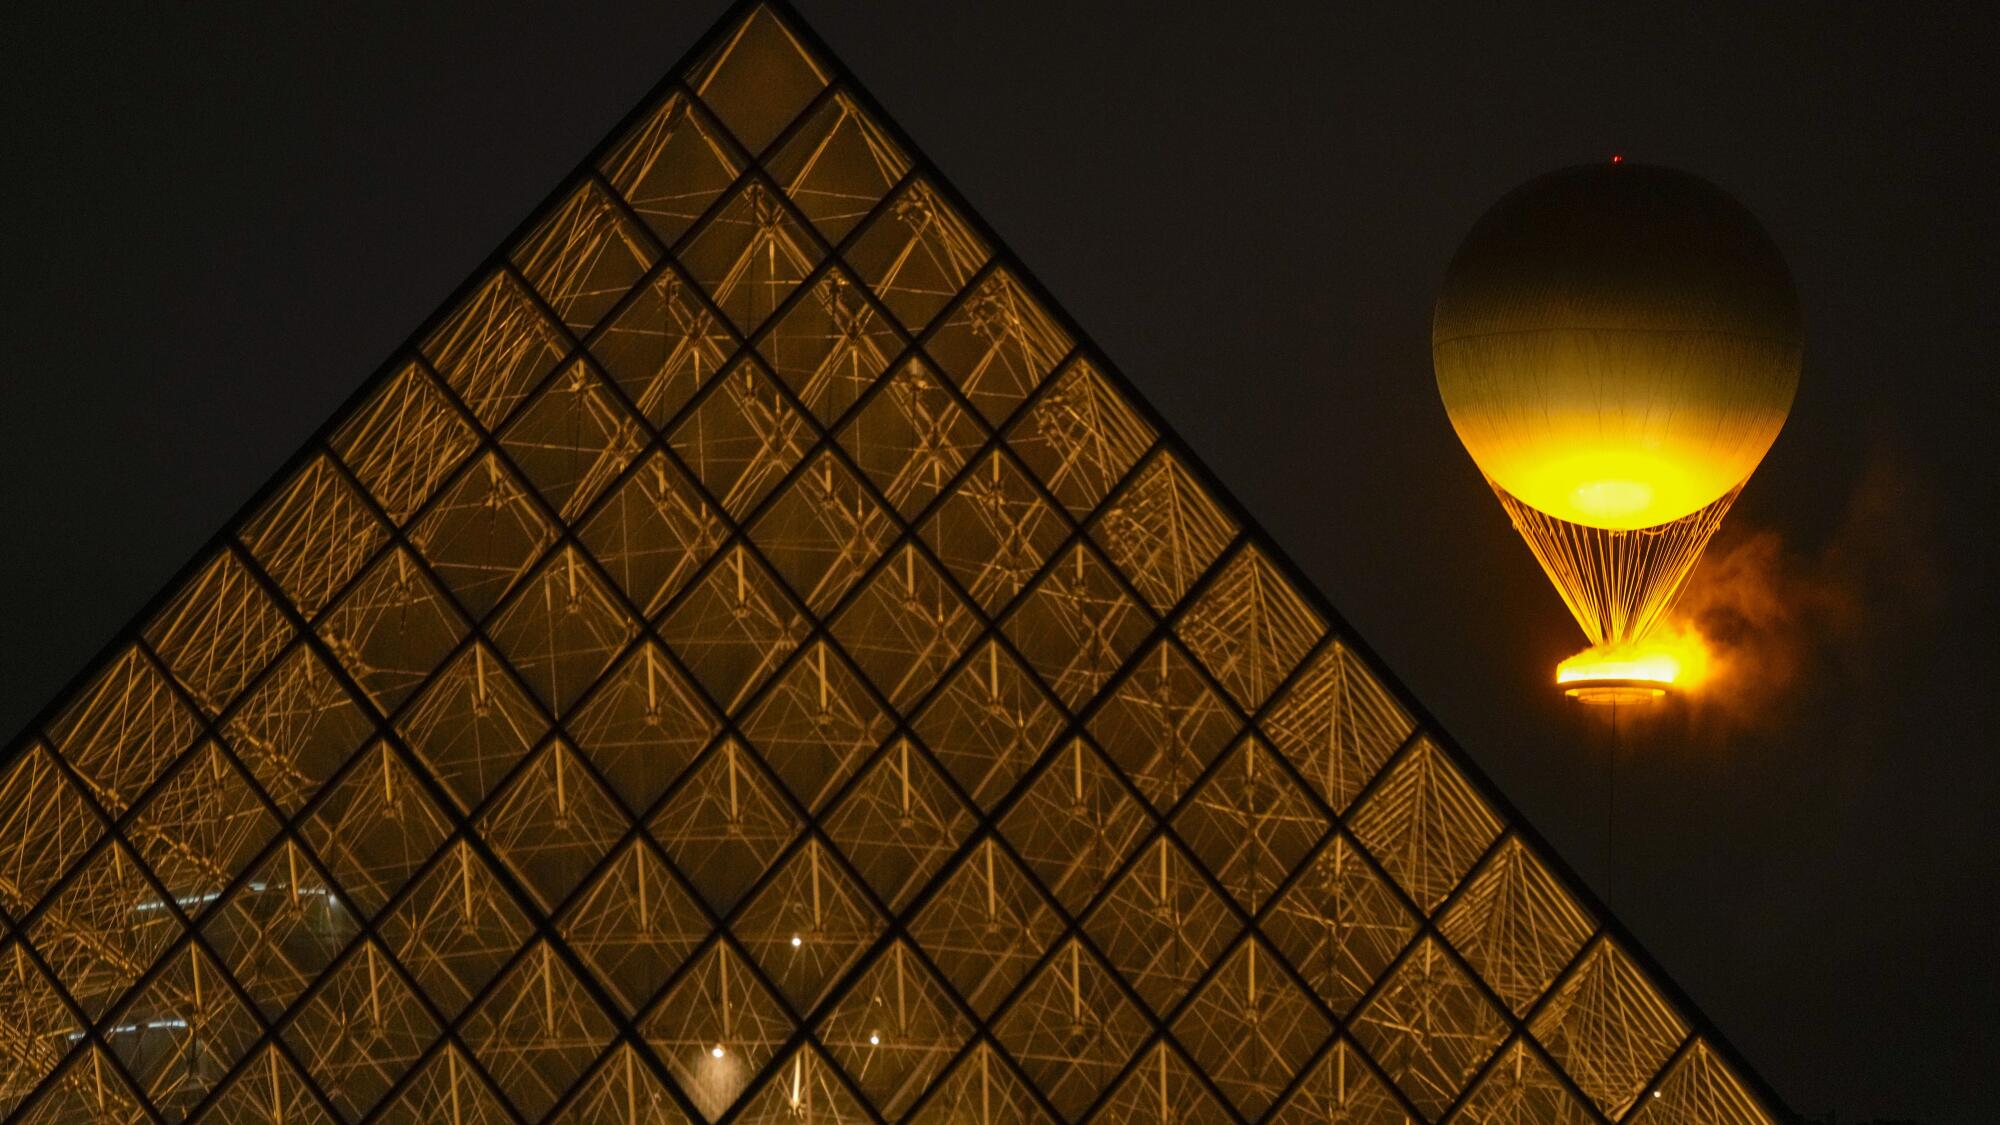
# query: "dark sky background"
[[220, 218]]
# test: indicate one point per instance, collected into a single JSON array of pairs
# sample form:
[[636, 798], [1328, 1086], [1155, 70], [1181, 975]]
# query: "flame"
[[1671, 656]]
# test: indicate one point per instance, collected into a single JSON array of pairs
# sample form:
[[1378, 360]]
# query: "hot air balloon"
[[1617, 346]]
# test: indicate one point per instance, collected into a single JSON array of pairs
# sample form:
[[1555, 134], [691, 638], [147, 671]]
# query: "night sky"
[[221, 218]]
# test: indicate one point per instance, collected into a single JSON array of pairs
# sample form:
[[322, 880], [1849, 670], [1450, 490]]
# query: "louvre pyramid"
[[749, 659]]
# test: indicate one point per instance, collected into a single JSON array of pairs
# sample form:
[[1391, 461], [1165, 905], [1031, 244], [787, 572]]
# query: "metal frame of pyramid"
[[603, 718]]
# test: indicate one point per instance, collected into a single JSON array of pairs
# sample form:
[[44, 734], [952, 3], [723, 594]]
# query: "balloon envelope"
[[1617, 344]]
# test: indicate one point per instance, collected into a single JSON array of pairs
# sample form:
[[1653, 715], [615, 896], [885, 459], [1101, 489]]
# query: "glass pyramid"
[[749, 659]]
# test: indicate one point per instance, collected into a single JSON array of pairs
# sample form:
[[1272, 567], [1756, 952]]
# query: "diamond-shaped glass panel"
[[47, 825], [1163, 530], [1080, 437], [123, 729], [634, 926], [734, 628], [572, 439], [1519, 1086], [1516, 925], [494, 348], [456, 928], [537, 1031], [917, 253], [1075, 824], [1429, 1027], [911, 438], [1163, 724], [643, 726], [895, 1030], [296, 728], [483, 534], [88, 1088], [663, 346], [742, 439], [471, 724], [104, 928], [899, 823], [625, 1090], [1340, 925], [583, 256], [1162, 925], [1076, 625], [906, 626], [823, 532], [269, 1089], [361, 1032], [404, 441], [750, 255], [654, 533], [393, 626], [805, 1087], [1337, 724], [716, 1029], [1425, 824], [279, 929], [1071, 1029], [986, 926], [181, 1033], [838, 165], [1250, 627], [218, 632], [830, 346], [808, 925], [725, 826], [815, 725], [1251, 1028], [1251, 824], [994, 530], [200, 829], [563, 629], [552, 824], [40, 1027], [314, 535], [983, 1089], [998, 344], [989, 723], [375, 828], [1700, 1088], [1608, 1028], [672, 166], [447, 1088], [1343, 1086], [758, 79]]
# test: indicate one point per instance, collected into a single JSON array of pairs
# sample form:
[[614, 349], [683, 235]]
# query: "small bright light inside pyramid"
[[717, 1051], [797, 941], [874, 1039]]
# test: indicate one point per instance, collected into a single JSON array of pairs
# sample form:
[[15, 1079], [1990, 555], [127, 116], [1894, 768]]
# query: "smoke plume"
[[1784, 624]]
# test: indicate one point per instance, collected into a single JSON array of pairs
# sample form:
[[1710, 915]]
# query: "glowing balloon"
[[1617, 346]]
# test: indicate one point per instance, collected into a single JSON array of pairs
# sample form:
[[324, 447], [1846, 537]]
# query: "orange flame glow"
[[1636, 671]]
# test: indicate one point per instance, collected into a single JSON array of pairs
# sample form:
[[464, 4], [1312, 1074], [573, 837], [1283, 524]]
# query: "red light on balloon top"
[[1618, 158]]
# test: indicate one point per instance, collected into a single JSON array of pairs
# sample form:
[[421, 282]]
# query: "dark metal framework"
[[748, 658]]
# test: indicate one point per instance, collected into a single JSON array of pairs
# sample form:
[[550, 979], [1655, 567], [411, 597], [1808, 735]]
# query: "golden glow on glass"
[[730, 638]]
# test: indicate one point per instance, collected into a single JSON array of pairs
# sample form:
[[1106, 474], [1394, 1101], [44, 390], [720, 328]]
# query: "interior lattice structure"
[[748, 660]]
